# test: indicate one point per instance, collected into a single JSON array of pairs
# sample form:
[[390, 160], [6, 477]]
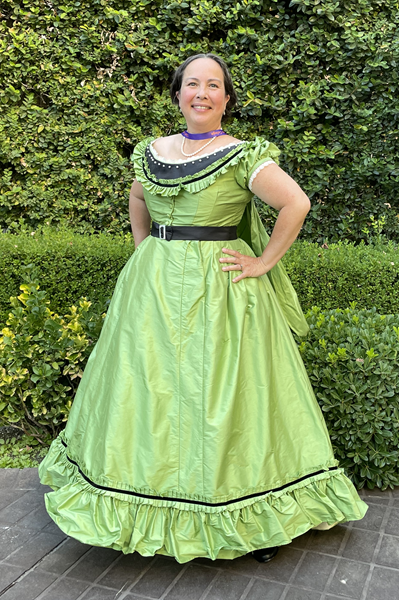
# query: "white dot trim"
[[254, 174]]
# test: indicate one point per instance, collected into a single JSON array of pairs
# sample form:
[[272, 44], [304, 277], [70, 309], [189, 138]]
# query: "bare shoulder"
[[171, 145], [170, 142], [229, 139], [166, 144]]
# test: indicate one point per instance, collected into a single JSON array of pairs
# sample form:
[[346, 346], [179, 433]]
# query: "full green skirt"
[[194, 431]]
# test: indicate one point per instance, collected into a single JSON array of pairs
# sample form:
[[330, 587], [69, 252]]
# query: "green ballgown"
[[195, 431]]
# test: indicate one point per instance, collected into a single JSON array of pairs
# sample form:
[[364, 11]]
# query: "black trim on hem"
[[278, 489]]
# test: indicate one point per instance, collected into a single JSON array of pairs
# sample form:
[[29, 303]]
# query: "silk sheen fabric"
[[195, 430]]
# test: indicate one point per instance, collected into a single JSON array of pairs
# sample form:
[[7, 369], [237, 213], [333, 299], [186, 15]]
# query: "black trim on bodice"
[[130, 493], [160, 170]]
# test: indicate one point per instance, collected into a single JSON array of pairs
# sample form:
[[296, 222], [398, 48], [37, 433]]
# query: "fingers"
[[235, 267], [233, 253], [234, 256]]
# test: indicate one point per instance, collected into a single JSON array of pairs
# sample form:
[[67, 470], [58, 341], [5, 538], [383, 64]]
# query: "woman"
[[195, 431]]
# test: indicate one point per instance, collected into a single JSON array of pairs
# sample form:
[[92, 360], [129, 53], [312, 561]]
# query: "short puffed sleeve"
[[257, 155]]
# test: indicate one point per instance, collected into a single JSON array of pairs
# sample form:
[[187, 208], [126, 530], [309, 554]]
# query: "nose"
[[201, 93]]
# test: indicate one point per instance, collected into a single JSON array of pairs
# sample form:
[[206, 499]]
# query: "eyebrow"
[[211, 79]]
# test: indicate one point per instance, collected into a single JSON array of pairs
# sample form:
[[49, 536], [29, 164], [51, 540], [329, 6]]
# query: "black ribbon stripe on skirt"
[[130, 493]]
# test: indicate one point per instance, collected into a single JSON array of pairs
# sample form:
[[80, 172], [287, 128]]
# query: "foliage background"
[[71, 265], [351, 357], [81, 82]]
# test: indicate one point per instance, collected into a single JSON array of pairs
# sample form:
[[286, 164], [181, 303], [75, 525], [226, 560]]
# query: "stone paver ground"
[[358, 560]]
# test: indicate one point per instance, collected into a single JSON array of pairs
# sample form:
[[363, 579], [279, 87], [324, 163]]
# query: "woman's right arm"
[[140, 219]]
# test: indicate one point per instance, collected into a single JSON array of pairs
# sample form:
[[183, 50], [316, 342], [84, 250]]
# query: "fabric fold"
[[187, 531], [252, 231]]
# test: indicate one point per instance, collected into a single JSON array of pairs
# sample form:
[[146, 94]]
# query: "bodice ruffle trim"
[[204, 177]]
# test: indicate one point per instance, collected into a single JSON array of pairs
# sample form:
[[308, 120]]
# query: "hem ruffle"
[[187, 531]]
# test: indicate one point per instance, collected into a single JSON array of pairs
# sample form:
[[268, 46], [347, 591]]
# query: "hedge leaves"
[[82, 82]]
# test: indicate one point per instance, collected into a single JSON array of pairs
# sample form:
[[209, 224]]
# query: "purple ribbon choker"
[[203, 136]]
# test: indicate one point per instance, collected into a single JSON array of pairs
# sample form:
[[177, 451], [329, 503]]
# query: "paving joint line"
[[378, 546], [249, 587], [34, 536], [30, 569], [376, 531], [298, 566], [127, 591], [65, 573], [341, 549], [176, 579], [166, 591], [210, 585], [8, 525], [363, 562], [312, 590], [91, 584]]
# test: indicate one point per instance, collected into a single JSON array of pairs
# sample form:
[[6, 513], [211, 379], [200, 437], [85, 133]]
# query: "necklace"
[[203, 136], [193, 153]]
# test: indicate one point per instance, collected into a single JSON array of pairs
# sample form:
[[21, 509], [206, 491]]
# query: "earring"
[[224, 112]]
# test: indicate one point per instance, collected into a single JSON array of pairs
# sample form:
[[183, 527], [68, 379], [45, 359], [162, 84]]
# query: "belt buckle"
[[162, 232]]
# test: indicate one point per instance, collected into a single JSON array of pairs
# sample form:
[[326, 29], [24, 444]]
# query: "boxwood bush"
[[73, 265], [352, 358], [69, 266], [333, 276]]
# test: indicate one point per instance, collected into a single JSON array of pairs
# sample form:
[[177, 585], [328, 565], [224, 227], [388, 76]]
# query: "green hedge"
[[351, 357], [72, 265], [82, 82], [335, 276], [69, 266]]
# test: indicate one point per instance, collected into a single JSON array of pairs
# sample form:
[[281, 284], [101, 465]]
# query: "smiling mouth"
[[200, 107]]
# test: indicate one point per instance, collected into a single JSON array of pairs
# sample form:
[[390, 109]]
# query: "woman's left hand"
[[252, 266]]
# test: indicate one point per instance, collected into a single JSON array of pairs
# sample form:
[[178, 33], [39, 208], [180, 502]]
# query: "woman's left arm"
[[276, 188]]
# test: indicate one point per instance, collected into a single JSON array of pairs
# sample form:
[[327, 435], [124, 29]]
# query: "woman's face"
[[202, 97]]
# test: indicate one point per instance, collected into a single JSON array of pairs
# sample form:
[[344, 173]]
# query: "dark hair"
[[175, 86]]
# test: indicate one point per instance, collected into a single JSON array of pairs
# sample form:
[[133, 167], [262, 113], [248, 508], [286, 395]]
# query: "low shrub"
[[352, 359], [71, 266], [334, 276], [21, 452], [42, 357]]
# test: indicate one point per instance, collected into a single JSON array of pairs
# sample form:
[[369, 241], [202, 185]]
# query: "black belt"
[[190, 232]]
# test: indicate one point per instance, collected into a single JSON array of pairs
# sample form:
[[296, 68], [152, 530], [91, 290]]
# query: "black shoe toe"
[[264, 555]]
